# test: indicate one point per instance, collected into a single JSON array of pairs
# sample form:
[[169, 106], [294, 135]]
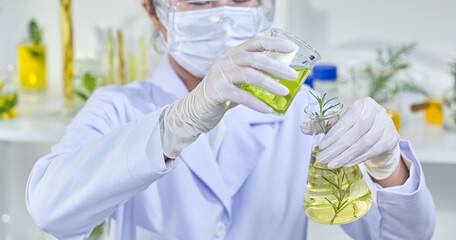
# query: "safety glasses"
[[168, 9]]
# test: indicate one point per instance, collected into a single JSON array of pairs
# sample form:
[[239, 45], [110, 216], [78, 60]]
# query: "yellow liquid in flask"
[[338, 202], [280, 104]]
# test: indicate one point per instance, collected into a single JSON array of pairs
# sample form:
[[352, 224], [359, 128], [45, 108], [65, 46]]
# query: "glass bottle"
[[88, 76], [333, 196], [325, 79], [433, 112], [32, 59]]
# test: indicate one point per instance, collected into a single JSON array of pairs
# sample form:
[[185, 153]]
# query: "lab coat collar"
[[241, 156], [200, 159]]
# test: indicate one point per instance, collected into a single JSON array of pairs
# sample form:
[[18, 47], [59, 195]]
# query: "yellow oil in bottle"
[[8, 108], [335, 196], [434, 112], [396, 116], [280, 104], [32, 66]]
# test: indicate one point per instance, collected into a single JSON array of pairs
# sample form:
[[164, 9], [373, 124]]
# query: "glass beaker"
[[302, 61], [333, 196], [8, 94], [87, 78]]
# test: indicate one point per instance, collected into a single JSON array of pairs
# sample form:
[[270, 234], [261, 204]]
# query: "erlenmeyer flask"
[[333, 196]]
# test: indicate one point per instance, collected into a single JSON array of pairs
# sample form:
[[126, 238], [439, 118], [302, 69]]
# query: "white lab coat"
[[109, 165]]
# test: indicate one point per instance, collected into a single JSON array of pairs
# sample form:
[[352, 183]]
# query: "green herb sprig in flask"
[[333, 196]]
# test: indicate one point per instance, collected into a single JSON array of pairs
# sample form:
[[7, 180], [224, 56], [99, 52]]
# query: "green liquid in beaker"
[[280, 104]]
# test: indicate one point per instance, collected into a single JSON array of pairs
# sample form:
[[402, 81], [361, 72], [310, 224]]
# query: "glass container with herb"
[[8, 93], [333, 196], [32, 59], [88, 77]]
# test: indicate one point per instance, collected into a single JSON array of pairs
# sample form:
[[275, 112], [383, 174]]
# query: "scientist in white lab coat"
[[168, 159]]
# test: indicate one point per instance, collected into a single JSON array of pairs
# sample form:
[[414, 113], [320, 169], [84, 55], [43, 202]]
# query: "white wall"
[[328, 23], [347, 33]]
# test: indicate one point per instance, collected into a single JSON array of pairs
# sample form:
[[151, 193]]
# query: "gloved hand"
[[364, 133], [183, 121]]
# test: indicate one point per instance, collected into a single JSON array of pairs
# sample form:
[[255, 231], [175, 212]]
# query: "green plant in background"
[[35, 32], [7, 105], [453, 73], [450, 101], [89, 84], [389, 63], [35, 36], [337, 186]]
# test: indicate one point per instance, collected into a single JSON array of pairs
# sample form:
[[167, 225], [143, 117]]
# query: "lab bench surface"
[[431, 143], [39, 130]]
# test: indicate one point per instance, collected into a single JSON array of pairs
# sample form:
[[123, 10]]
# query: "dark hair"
[[152, 8]]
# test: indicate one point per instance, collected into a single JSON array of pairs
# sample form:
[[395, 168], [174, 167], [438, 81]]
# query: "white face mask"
[[200, 36]]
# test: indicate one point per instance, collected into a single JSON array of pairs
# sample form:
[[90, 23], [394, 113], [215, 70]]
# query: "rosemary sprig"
[[321, 102], [337, 189]]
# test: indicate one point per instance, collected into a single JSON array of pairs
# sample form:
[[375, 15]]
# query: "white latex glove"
[[364, 133], [183, 121]]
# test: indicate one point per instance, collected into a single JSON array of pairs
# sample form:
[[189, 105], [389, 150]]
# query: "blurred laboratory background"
[[54, 53]]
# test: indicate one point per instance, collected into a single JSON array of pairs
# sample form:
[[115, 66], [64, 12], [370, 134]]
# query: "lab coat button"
[[220, 230]]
